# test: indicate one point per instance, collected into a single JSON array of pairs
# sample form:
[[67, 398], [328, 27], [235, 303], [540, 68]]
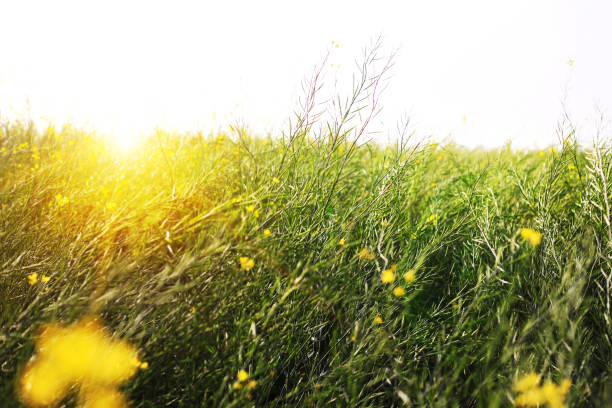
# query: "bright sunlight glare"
[[126, 142]]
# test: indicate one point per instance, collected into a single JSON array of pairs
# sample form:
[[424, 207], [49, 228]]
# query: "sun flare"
[[126, 142]]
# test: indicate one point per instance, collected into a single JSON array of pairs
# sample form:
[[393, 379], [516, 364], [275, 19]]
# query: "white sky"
[[128, 66]]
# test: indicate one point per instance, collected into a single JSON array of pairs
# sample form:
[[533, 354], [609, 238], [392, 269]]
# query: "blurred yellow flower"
[[410, 276], [533, 395], [399, 291], [256, 213], [275, 180], [531, 236], [246, 263], [250, 208], [81, 354], [242, 375], [528, 381], [44, 279], [342, 242], [267, 232], [251, 384], [387, 276], [378, 320], [32, 278], [61, 200], [101, 397], [365, 254]]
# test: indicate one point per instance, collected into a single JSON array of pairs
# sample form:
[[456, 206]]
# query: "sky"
[[479, 73]]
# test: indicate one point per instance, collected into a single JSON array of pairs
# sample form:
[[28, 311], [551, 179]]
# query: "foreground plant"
[[531, 394], [81, 356]]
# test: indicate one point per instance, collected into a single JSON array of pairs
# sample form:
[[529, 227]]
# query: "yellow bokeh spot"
[[531, 236], [399, 291], [242, 375], [82, 354], [387, 276]]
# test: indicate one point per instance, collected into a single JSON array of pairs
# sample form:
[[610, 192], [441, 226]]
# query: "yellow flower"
[[246, 263], [388, 276], [242, 375], [571, 167], [433, 218], [342, 242], [250, 208], [111, 206], [251, 384], [532, 394], [61, 200], [365, 254], [528, 381], [267, 232], [256, 213], [399, 291], [237, 385], [378, 320], [275, 180], [144, 365], [410, 276], [68, 356], [45, 279], [531, 236], [542, 153], [101, 397], [565, 386], [32, 278], [413, 235]]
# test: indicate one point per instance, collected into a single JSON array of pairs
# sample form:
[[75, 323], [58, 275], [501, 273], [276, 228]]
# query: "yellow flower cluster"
[[433, 218], [251, 209], [81, 355], [365, 254], [61, 200], [242, 376], [246, 263], [531, 236], [388, 276], [531, 394], [33, 278]]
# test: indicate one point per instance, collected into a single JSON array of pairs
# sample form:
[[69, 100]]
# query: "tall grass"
[[150, 241]]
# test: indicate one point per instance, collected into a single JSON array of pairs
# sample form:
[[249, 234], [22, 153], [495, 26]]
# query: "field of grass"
[[310, 270]]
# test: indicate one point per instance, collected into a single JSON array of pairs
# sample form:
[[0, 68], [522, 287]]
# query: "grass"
[[150, 242]]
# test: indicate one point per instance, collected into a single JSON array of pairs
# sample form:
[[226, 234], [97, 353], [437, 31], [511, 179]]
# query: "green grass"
[[150, 241], [141, 239]]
